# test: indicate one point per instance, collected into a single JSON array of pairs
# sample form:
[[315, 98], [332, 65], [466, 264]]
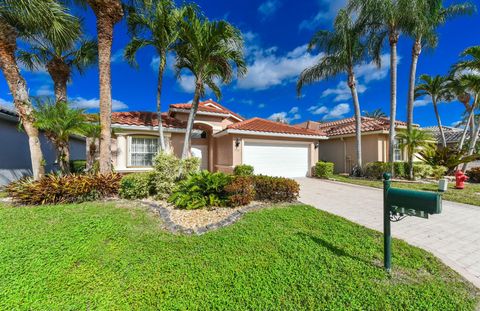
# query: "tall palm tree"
[[437, 89], [386, 19], [23, 19], [209, 50], [414, 141], [471, 64], [108, 13], [59, 60], [344, 48], [427, 16], [457, 85], [155, 24], [59, 122], [471, 83]]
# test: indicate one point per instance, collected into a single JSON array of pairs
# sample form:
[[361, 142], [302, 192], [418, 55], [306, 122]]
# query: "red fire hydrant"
[[460, 179]]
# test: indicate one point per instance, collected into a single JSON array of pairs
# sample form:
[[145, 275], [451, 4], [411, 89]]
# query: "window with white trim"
[[397, 151], [142, 150]]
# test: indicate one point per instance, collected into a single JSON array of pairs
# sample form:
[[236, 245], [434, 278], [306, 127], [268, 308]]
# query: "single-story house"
[[340, 147], [15, 155], [221, 138]]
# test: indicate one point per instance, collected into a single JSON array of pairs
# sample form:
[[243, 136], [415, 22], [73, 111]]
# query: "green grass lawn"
[[101, 256], [469, 195]]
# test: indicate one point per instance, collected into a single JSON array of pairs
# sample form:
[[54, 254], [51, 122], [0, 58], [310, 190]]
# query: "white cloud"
[[6, 103], [94, 103], [44, 90], [337, 112], [318, 109], [370, 72], [261, 106], [327, 12], [187, 83], [268, 8], [117, 56], [155, 62], [424, 101], [293, 110], [266, 69], [342, 91], [286, 117]]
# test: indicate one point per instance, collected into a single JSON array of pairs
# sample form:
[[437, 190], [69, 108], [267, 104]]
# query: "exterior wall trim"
[[153, 128]]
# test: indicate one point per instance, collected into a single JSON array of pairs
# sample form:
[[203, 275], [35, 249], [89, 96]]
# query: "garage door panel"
[[277, 159]]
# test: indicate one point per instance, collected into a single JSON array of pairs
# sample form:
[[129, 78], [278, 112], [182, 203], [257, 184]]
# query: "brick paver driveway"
[[453, 236]]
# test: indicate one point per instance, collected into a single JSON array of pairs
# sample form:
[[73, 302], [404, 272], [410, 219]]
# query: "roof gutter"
[[207, 113], [273, 134]]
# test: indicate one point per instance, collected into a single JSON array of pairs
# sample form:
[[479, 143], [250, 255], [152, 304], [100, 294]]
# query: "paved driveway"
[[453, 236]]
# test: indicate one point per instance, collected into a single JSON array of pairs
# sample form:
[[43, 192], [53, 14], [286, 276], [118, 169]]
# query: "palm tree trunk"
[[393, 95], [439, 122], [358, 120], [416, 50], [105, 38], [470, 122], [161, 69], [91, 151], [63, 157], [60, 73], [473, 143], [19, 90], [191, 118]]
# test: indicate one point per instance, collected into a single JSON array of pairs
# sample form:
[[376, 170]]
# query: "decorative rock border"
[[164, 214]]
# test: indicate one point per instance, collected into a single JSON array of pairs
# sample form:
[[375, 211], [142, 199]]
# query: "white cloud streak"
[[328, 9], [268, 8], [94, 103]]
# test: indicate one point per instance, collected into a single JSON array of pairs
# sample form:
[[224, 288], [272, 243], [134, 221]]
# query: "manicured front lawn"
[[102, 256], [469, 195]]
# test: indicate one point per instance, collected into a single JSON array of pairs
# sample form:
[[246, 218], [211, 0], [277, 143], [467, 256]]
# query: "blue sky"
[[276, 33]]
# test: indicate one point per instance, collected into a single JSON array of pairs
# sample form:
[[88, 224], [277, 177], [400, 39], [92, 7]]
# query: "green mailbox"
[[413, 203], [399, 203]]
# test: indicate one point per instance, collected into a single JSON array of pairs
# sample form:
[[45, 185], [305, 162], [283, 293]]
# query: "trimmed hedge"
[[56, 189], [243, 170], [137, 185], [275, 189], [240, 191], [474, 174], [324, 169]]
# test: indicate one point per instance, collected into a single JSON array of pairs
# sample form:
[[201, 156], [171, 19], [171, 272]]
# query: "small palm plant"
[[414, 141], [375, 114], [210, 50], [59, 122]]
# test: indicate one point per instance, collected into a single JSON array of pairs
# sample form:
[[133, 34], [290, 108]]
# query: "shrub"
[[275, 189], [203, 189], [422, 170], [324, 169], [190, 166], [439, 172], [137, 185], [78, 166], [243, 170], [448, 157], [375, 170], [240, 191], [55, 189], [400, 168], [167, 167], [474, 174]]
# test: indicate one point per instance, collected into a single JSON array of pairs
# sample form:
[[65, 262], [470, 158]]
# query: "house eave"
[[151, 128], [272, 134], [207, 113]]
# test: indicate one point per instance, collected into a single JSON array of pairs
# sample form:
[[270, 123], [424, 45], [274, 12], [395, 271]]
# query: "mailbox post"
[[399, 203]]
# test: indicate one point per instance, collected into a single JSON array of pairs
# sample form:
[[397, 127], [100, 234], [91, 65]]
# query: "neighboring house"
[[340, 146], [15, 154], [221, 138]]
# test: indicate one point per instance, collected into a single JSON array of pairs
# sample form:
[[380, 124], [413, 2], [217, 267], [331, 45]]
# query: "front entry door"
[[201, 152]]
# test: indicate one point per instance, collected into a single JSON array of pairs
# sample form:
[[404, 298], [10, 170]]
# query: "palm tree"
[[437, 89], [414, 141], [458, 88], [471, 83], [108, 13], [427, 15], [471, 64], [23, 19], [59, 122], [92, 133], [209, 50], [386, 19], [59, 60], [344, 48], [156, 24], [375, 114]]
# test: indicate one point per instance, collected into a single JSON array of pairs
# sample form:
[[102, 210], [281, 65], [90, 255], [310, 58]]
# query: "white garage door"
[[276, 158]]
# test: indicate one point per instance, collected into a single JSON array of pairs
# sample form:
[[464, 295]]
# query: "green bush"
[[56, 189], [240, 191], [324, 169], [190, 166], [275, 189], [78, 166], [137, 185], [439, 172], [203, 189], [422, 170], [167, 168], [375, 170], [400, 169], [474, 174], [243, 170]]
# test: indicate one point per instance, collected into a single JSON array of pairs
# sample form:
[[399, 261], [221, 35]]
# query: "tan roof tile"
[[262, 125]]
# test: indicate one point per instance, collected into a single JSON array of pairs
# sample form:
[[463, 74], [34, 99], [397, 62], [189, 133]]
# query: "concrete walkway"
[[453, 236]]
